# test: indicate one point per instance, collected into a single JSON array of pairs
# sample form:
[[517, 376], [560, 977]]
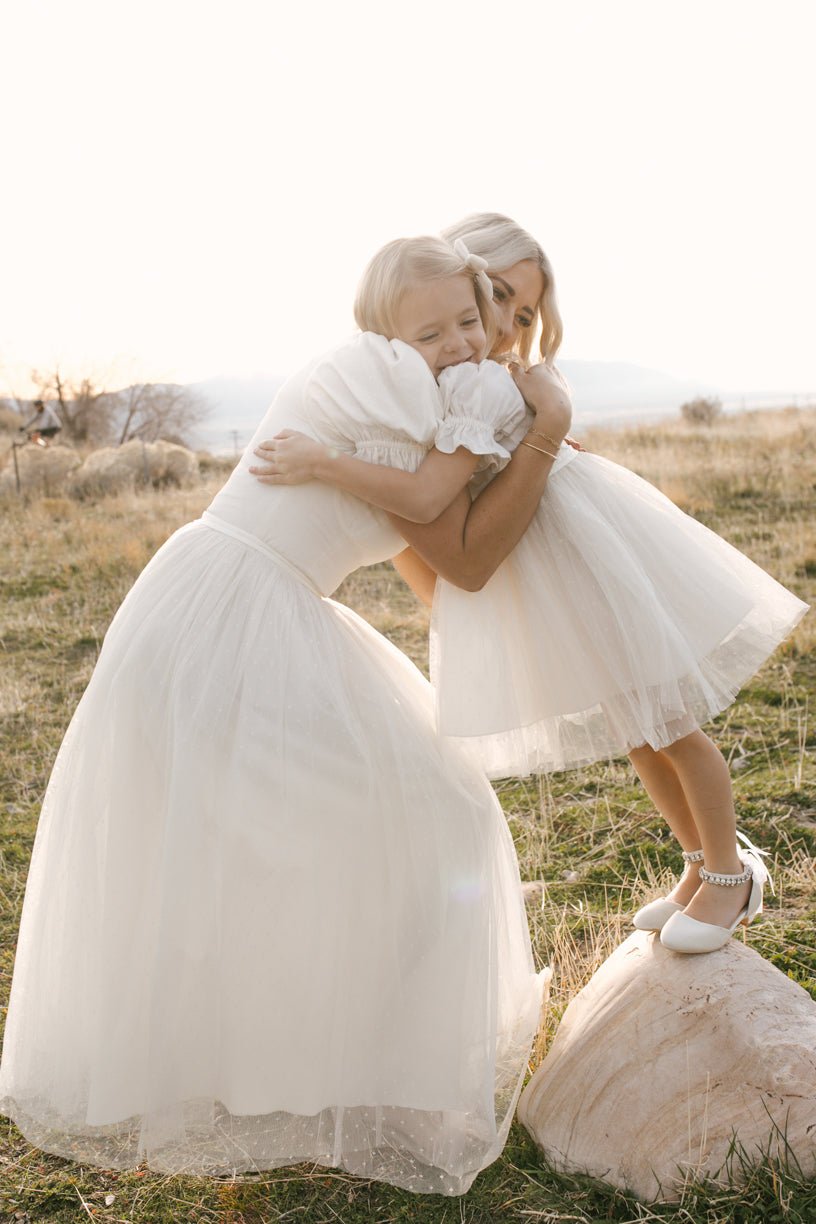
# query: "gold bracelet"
[[546, 437], [540, 449]]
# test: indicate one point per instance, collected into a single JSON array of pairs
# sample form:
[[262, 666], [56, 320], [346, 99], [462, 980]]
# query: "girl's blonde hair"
[[404, 264], [500, 241]]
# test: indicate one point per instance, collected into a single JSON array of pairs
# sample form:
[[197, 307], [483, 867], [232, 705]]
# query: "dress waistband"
[[246, 537]]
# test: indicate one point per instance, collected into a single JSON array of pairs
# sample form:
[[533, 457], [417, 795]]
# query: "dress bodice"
[[322, 531]]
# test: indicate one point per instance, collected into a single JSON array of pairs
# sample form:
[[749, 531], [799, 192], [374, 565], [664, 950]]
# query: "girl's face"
[[440, 319], [516, 293]]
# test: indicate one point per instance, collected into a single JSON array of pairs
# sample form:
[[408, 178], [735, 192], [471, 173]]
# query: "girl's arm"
[[418, 497]]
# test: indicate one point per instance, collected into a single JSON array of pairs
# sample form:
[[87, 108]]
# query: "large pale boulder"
[[114, 469], [180, 464], [111, 470], [42, 469], [662, 1060]]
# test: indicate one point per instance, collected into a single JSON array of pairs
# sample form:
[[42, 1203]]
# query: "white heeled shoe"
[[655, 915], [684, 934]]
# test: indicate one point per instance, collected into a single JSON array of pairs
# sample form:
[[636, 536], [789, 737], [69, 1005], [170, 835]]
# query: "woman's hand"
[[545, 392], [292, 458]]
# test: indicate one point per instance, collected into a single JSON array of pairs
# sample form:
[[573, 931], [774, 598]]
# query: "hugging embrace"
[[273, 912]]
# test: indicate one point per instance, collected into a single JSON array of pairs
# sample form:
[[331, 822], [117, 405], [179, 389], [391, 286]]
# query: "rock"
[[111, 470], [114, 469], [180, 465], [43, 469], [663, 1059]]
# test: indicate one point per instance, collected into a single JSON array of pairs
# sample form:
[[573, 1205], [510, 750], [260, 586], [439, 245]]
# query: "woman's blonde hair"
[[500, 241], [404, 264]]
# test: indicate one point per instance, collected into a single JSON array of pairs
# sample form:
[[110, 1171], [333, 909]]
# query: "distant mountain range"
[[603, 391]]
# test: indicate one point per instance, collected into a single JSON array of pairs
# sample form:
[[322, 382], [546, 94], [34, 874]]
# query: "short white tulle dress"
[[617, 621], [271, 916]]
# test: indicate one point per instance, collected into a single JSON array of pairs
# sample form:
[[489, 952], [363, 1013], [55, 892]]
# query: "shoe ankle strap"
[[693, 856], [726, 881]]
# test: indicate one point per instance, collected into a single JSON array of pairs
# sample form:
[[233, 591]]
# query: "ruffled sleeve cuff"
[[475, 436], [481, 408]]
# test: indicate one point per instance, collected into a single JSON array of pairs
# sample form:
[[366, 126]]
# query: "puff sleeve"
[[375, 399], [482, 410]]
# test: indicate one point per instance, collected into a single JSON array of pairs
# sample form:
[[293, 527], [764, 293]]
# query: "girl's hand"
[[292, 458]]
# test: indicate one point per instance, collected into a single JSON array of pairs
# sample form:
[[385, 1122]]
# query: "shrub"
[[701, 411], [10, 419]]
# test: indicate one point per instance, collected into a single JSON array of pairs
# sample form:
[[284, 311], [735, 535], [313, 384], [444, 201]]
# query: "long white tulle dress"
[[617, 621], [270, 915]]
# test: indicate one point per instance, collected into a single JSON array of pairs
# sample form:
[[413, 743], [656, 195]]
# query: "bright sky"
[[193, 187]]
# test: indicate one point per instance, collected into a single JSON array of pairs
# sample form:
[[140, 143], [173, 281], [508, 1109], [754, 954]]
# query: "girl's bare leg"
[[706, 782], [662, 783]]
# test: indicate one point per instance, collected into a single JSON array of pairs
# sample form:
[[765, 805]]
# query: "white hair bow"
[[476, 265]]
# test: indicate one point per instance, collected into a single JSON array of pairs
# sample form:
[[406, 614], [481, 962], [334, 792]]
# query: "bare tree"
[[159, 410], [92, 415], [83, 406]]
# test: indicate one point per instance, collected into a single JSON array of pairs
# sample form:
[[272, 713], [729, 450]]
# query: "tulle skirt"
[[617, 621], [270, 916]]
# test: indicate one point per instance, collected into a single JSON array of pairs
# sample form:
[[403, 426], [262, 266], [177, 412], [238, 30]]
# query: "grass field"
[[590, 839]]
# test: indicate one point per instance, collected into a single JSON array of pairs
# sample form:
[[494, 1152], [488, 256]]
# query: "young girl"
[[271, 916], [619, 624]]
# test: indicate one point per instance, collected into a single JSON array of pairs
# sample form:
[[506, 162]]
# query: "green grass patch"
[[590, 837]]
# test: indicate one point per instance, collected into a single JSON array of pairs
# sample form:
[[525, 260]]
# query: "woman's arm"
[[419, 576], [418, 497], [469, 541]]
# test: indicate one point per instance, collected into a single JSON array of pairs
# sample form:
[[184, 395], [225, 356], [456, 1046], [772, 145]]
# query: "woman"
[[270, 917]]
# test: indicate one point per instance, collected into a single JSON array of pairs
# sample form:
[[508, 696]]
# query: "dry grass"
[[752, 454], [589, 842]]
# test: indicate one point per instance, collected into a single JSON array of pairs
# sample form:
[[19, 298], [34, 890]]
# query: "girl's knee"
[[693, 742]]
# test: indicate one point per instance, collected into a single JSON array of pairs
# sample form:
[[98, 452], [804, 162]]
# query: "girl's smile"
[[440, 319]]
